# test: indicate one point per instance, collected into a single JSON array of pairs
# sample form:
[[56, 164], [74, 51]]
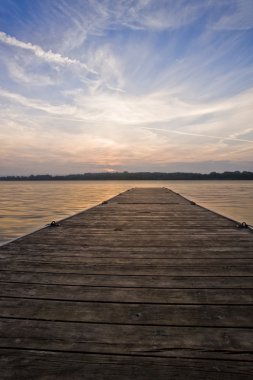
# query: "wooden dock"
[[147, 285]]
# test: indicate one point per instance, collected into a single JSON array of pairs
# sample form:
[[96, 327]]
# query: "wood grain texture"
[[55, 365], [147, 285]]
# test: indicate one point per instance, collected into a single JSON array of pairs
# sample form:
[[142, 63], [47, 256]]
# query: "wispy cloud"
[[47, 56], [39, 105], [19, 74], [199, 135], [238, 17]]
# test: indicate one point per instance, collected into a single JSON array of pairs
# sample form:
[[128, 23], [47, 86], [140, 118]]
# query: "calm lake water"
[[27, 206]]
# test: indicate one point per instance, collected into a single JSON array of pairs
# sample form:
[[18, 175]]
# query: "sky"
[[115, 85]]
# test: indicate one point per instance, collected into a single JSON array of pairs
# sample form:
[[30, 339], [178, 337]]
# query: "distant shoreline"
[[140, 176]]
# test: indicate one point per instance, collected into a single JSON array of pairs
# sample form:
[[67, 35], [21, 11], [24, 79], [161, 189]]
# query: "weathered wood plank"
[[150, 261], [65, 366], [124, 269], [166, 341], [98, 252], [120, 313], [141, 240], [114, 294], [43, 249], [151, 281]]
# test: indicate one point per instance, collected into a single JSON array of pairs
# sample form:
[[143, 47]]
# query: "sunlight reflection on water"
[[29, 205]]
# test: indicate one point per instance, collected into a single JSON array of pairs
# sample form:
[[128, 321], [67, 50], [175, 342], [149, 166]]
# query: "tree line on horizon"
[[227, 175]]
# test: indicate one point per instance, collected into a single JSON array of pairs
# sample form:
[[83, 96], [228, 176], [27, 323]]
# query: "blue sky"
[[89, 85]]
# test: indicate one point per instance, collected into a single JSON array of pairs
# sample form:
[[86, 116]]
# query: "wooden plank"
[[124, 269], [66, 365], [166, 341], [130, 313], [99, 253], [114, 294], [44, 250], [142, 241], [150, 261], [151, 281]]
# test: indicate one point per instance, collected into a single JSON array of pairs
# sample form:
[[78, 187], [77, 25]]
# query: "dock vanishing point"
[[147, 285]]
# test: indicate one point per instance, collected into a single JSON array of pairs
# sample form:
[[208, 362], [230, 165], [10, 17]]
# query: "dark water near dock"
[[27, 206]]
